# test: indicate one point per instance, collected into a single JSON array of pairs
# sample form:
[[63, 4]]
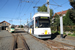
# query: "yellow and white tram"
[[40, 25]]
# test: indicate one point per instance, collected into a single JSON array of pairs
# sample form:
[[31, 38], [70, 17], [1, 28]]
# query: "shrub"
[[64, 33], [54, 28], [66, 28], [53, 31], [69, 34]]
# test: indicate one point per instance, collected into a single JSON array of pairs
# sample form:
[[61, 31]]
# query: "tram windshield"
[[43, 22], [12, 26]]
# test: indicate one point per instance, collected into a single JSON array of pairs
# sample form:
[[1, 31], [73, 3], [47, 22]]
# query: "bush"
[[66, 28], [69, 34], [69, 28], [74, 31], [54, 28], [53, 31], [64, 33]]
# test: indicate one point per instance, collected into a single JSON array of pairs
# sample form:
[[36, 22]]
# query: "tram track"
[[19, 42], [15, 41], [23, 41], [54, 45]]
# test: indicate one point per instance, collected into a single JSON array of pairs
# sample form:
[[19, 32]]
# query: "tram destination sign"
[[44, 17]]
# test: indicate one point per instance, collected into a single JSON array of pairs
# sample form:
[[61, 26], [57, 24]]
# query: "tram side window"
[[30, 25], [33, 23], [36, 23]]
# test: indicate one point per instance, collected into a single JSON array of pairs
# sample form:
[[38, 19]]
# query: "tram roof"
[[41, 14]]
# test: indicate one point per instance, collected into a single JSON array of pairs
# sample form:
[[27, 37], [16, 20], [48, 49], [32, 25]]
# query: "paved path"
[[6, 40], [34, 44]]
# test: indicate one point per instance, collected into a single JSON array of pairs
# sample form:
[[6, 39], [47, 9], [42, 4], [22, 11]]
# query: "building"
[[58, 13], [62, 12], [4, 24]]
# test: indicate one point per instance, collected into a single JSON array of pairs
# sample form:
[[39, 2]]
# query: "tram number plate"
[[45, 32]]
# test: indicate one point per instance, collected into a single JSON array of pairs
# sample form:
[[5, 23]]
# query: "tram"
[[39, 26], [11, 28]]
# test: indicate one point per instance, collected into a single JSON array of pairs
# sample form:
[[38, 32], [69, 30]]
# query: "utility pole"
[[48, 9], [20, 23], [27, 21]]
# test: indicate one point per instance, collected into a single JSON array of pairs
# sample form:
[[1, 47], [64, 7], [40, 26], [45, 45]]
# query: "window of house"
[[5, 24]]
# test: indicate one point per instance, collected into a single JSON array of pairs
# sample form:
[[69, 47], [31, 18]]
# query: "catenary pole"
[[48, 9], [61, 26]]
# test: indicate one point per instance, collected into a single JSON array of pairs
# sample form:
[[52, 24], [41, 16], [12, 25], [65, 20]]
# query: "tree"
[[67, 20], [51, 12], [72, 15], [44, 9], [21, 26], [57, 20], [72, 3], [72, 11]]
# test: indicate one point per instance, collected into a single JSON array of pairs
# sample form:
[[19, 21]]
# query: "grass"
[[73, 34]]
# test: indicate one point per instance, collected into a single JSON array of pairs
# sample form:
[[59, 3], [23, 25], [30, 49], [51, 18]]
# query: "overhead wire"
[[4, 4], [36, 4], [61, 4], [16, 9], [20, 10], [54, 2], [29, 6], [56, 5], [54, 9], [23, 7]]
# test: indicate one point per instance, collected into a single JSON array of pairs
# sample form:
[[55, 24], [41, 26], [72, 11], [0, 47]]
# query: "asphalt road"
[[21, 39], [6, 40]]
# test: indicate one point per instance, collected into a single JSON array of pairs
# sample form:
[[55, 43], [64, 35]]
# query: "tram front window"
[[12, 27], [43, 22]]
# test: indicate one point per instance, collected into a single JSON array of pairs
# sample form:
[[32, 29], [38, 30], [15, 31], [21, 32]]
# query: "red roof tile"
[[63, 12]]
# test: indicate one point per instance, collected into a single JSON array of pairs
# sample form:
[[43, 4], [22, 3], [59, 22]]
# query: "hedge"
[[65, 28]]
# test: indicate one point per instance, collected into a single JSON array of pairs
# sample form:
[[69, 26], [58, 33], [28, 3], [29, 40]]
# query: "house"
[[62, 12], [58, 13], [4, 24]]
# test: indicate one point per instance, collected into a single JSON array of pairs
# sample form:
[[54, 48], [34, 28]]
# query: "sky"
[[18, 11]]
